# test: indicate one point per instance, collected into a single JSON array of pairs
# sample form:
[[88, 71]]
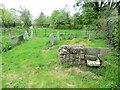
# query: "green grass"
[[19, 66]]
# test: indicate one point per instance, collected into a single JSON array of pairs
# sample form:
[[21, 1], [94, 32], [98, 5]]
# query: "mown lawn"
[[35, 64]]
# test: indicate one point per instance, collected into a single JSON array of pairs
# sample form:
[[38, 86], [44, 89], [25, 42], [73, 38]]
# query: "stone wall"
[[80, 55]]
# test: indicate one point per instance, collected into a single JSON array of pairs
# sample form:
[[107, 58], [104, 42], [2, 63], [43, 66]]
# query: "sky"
[[38, 6]]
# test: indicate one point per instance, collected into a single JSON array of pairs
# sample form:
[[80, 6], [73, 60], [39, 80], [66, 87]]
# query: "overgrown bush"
[[7, 44]]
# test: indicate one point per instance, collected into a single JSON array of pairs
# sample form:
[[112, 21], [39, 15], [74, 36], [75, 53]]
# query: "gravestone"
[[14, 40], [51, 39], [21, 38], [58, 35], [11, 34], [26, 33], [31, 32], [89, 37]]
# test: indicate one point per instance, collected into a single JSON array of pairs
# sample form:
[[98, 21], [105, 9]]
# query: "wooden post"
[[53, 30], [89, 36]]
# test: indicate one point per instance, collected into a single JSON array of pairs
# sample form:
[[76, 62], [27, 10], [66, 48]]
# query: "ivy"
[[117, 34]]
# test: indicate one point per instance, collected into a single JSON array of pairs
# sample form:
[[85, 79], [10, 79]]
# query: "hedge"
[[66, 26], [43, 25]]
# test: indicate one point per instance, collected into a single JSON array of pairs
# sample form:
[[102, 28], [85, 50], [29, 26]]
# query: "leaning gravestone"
[[11, 34], [89, 37], [51, 39], [58, 35], [31, 32], [14, 40], [26, 33], [21, 38]]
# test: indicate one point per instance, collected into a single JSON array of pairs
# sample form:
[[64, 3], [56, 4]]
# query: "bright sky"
[[38, 6]]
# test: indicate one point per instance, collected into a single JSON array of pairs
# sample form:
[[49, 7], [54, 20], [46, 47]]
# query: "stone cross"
[[26, 33], [51, 39], [58, 35], [89, 37], [31, 32], [14, 40]]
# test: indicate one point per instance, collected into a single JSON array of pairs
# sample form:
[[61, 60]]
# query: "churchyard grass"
[[35, 64]]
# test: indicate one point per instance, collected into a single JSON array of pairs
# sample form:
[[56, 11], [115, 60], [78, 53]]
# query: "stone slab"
[[51, 36], [93, 63], [90, 57]]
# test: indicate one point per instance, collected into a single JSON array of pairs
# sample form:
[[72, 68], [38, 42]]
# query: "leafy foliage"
[[25, 17], [7, 17], [60, 17], [42, 19], [117, 34]]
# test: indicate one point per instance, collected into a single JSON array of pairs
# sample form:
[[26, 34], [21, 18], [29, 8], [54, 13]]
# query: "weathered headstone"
[[26, 33], [31, 32], [51, 39], [11, 34], [21, 38], [58, 35], [14, 40], [89, 37]]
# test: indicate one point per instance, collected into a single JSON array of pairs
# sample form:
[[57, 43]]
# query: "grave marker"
[[21, 38], [58, 35], [89, 37], [51, 39], [31, 32]]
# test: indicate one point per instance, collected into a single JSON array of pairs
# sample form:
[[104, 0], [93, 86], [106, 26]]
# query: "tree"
[[77, 19], [104, 15], [17, 20], [60, 17], [7, 17], [25, 17], [41, 19], [99, 6]]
